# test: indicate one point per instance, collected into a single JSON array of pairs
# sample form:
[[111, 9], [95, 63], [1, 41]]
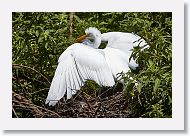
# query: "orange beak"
[[79, 39]]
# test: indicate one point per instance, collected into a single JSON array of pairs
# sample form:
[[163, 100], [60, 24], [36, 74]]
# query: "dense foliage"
[[38, 39]]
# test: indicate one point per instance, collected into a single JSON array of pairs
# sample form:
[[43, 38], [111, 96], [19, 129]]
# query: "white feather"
[[76, 65], [117, 60], [125, 42], [92, 30]]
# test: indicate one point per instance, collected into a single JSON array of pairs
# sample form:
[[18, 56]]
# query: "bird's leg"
[[99, 91]]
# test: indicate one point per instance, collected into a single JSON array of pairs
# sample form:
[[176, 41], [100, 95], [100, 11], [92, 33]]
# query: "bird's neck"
[[97, 42]]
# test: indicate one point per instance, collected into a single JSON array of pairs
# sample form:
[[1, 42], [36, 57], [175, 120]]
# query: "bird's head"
[[91, 33]]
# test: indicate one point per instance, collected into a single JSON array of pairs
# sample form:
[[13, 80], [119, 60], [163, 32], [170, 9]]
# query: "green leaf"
[[170, 100], [40, 39], [139, 87], [156, 85], [37, 33], [77, 18]]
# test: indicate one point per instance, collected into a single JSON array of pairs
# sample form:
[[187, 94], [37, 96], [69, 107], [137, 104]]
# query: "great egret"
[[84, 61], [120, 40]]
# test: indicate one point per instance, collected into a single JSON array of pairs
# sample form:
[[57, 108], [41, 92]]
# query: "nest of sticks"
[[82, 105]]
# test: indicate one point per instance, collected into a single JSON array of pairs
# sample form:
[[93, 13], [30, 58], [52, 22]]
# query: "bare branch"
[[19, 66], [70, 24]]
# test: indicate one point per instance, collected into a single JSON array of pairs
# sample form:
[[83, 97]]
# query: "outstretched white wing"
[[125, 42], [117, 61], [121, 40], [77, 64]]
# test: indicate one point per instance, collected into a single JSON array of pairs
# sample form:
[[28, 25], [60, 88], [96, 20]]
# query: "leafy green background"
[[38, 39]]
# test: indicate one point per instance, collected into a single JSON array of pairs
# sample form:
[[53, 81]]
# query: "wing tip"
[[51, 102]]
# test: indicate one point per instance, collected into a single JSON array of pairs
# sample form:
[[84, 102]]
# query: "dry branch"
[[20, 101], [70, 24], [21, 66]]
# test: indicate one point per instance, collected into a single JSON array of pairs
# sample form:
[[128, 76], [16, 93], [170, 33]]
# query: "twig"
[[39, 90], [32, 106], [139, 100], [28, 108], [90, 107], [99, 105], [24, 102], [48, 111], [19, 66], [14, 112]]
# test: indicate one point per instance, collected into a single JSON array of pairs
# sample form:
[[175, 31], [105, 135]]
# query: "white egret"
[[84, 61]]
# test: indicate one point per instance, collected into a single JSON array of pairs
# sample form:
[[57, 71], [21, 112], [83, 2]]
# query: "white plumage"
[[84, 61], [125, 42]]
